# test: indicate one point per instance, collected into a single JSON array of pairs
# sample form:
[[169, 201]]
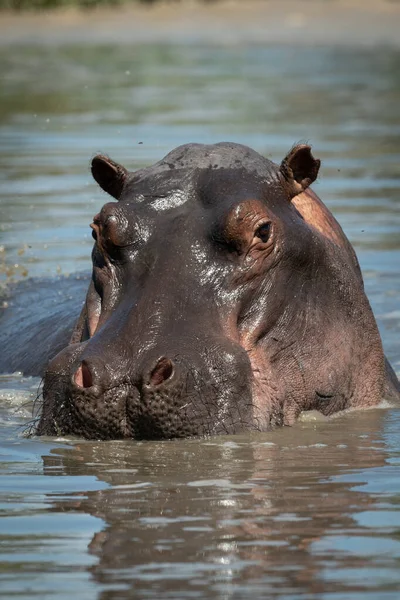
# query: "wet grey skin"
[[224, 297]]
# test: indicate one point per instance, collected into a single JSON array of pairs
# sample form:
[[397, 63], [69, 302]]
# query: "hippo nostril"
[[163, 371], [83, 377]]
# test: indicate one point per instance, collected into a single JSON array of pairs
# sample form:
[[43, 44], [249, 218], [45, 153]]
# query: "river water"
[[309, 512]]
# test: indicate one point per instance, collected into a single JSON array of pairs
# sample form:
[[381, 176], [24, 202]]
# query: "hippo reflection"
[[224, 297]]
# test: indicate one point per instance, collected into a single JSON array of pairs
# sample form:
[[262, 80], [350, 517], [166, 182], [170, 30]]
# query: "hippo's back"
[[36, 321]]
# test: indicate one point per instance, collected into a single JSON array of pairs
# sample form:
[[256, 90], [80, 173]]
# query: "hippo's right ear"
[[109, 175], [299, 169]]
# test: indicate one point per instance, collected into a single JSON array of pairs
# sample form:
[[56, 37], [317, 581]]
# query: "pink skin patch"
[[316, 214], [83, 377]]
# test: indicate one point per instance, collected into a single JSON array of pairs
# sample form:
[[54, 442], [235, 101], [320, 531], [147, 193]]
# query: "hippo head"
[[224, 297]]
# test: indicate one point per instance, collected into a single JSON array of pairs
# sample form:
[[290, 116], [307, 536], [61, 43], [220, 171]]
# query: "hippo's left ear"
[[109, 175], [299, 169]]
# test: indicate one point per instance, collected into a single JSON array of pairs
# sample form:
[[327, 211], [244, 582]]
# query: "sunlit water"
[[308, 512]]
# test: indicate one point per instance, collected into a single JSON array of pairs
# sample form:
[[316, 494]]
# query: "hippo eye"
[[263, 232]]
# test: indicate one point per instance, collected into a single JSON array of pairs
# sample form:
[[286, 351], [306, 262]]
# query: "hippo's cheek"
[[265, 390]]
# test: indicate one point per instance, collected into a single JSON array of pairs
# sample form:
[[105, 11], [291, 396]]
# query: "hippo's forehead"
[[225, 155], [201, 174]]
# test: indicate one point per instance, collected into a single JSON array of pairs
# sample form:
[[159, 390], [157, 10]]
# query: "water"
[[309, 512]]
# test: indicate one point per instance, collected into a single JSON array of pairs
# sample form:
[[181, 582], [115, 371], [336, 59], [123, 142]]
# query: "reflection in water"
[[309, 512], [267, 513]]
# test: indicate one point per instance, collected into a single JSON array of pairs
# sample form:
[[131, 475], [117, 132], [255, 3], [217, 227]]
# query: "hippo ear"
[[109, 175], [299, 169]]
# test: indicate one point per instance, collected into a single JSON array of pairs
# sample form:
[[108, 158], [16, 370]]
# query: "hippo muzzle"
[[154, 397]]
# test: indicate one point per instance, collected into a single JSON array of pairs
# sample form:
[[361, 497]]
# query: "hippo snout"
[[87, 376], [165, 395]]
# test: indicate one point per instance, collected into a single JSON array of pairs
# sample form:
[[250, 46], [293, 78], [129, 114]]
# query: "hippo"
[[224, 297]]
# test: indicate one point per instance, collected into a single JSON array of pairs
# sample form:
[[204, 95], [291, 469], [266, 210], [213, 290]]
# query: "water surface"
[[306, 512]]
